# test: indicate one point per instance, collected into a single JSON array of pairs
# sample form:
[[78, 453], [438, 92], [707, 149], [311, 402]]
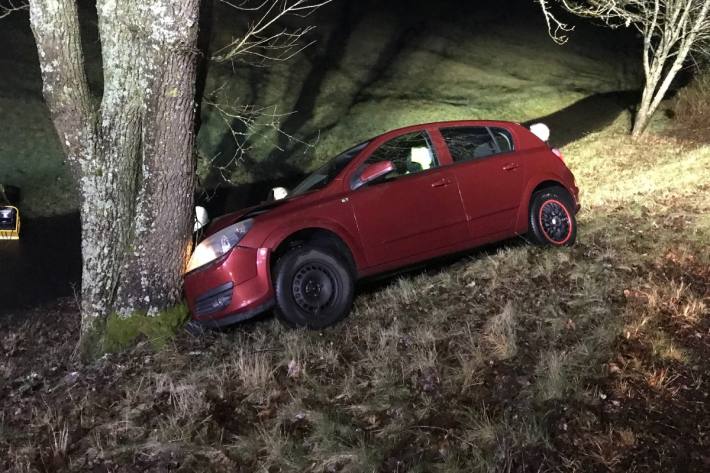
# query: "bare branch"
[[9, 6], [246, 124], [555, 28], [264, 40]]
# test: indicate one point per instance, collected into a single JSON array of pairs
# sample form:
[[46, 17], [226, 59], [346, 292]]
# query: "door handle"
[[441, 183], [511, 167]]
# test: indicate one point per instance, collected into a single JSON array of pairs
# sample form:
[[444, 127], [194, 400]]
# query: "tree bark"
[[164, 204], [132, 156]]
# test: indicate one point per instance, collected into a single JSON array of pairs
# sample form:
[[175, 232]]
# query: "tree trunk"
[[643, 114], [655, 90], [132, 157], [164, 205]]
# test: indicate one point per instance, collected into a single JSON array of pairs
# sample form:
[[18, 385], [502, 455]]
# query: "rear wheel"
[[552, 219], [314, 287]]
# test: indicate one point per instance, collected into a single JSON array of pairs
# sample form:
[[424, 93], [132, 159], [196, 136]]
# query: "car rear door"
[[412, 212], [490, 178]]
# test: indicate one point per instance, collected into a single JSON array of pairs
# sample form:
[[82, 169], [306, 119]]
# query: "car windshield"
[[324, 175]]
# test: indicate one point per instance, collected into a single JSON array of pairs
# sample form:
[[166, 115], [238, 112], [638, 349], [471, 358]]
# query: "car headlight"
[[218, 244]]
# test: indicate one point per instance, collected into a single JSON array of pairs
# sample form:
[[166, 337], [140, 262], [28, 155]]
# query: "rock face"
[[375, 66]]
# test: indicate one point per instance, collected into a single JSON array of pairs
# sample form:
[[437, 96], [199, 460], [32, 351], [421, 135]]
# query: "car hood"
[[231, 218]]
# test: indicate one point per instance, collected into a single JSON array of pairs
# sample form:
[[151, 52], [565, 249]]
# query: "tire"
[[314, 287], [552, 218]]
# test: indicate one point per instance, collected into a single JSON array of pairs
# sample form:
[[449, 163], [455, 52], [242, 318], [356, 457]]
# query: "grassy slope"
[[514, 358], [378, 70], [30, 153]]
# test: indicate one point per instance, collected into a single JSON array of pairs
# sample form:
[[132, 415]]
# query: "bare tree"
[[671, 29]]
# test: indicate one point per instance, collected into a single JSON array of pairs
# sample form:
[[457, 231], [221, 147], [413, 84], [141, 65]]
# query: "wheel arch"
[[317, 233], [521, 224]]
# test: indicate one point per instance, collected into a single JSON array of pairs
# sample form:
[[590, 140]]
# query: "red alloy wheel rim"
[[555, 222]]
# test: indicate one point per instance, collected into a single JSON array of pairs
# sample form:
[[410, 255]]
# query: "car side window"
[[410, 154], [466, 143]]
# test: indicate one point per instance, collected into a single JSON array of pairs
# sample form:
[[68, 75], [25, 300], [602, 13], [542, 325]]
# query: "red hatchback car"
[[401, 198]]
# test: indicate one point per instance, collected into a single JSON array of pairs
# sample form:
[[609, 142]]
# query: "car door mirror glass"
[[375, 171]]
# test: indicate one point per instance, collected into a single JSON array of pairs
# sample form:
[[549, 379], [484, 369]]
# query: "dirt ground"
[[647, 415]]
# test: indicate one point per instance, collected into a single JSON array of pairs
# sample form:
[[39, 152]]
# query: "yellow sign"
[[13, 217]]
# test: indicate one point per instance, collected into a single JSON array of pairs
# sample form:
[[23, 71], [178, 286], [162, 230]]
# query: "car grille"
[[214, 300]]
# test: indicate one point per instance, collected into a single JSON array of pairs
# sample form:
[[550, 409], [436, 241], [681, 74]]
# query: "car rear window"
[[466, 143]]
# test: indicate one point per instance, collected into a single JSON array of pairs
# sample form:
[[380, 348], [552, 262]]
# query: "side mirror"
[[201, 219], [279, 193], [374, 171]]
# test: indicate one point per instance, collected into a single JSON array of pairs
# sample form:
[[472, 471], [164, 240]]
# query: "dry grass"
[[477, 366], [692, 106], [499, 334]]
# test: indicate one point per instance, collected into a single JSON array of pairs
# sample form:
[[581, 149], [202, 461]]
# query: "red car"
[[401, 198]]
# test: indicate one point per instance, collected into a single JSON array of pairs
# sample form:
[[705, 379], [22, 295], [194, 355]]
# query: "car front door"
[[414, 210], [490, 178]]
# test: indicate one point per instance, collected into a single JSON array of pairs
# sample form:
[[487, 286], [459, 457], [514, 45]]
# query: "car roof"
[[452, 123]]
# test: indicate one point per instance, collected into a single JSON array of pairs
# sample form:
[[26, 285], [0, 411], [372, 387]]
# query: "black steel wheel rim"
[[555, 221], [314, 287]]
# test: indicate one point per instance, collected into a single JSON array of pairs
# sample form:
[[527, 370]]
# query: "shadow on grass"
[[588, 115]]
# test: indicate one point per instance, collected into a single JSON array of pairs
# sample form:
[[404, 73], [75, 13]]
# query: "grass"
[[30, 158], [691, 105], [500, 361]]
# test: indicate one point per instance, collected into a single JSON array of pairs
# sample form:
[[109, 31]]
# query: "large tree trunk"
[[132, 157]]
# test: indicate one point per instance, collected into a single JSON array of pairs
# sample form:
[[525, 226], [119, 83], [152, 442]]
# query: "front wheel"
[[314, 288], [552, 219]]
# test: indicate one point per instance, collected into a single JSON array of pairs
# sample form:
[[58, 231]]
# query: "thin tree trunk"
[[133, 158], [644, 112]]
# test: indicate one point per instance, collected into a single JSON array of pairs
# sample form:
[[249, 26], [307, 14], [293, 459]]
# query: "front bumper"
[[231, 289], [240, 316]]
